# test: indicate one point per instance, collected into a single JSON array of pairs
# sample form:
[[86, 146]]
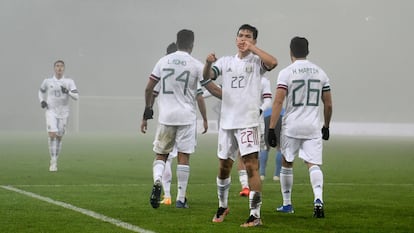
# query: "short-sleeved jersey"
[[266, 100], [241, 85], [51, 92], [178, 75], [304, 82]]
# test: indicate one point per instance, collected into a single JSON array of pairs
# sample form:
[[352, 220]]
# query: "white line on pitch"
[[90, 213], [196, 184]]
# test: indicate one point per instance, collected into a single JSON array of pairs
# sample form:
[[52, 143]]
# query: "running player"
[[54, 95]]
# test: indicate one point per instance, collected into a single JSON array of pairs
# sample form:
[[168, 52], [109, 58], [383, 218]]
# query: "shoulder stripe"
[[267, 95], [326, 88], [282, 86], [155, 78]]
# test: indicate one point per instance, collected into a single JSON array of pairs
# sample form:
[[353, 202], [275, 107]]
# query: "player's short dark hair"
[[250, 28], [299, 46], [171, 48], [59, 61], [185, 39]]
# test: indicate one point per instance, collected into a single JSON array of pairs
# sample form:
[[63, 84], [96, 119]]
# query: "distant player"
[[304, 85], [54, 95], [239, 118], [179, 75]]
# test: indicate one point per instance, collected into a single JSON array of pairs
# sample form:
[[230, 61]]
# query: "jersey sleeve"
[[156, 72], [282, 79], [42, 91], [266, 94], [217, 68], [73, 90]]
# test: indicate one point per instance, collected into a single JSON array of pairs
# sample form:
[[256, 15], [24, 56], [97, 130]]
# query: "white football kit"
[[178, 75], [302, 122], [58, 102], [240, 109]]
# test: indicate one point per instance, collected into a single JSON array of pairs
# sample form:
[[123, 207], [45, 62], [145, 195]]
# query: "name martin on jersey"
[[305, 70]]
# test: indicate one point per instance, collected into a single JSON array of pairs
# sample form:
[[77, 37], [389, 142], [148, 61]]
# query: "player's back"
[[305, 82], [179, 74]]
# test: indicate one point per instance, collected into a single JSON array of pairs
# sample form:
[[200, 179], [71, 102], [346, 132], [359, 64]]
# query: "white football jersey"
[[51, 92], [304, 82], [241, 85], [178, 75]]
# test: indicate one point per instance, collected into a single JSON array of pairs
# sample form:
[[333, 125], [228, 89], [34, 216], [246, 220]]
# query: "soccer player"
[[54, 95], [167, 174], [239, 118], [178, 74], [304, 85]]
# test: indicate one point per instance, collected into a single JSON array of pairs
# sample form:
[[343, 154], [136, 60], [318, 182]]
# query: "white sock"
[[166, 179], [243, 179], [316, 179], [52, 148], [183, 173], [286, 183], [157, 170], [223, 187], [255, 202], [58, 147]]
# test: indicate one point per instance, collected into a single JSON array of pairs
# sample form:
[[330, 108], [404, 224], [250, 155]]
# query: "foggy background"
[[111, 46]]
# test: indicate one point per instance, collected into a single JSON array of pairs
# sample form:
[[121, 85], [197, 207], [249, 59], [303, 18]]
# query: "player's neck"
[[59, 76], [243, 54]]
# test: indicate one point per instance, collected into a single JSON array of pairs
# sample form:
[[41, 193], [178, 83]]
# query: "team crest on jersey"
[[229, 70], [249, 69]]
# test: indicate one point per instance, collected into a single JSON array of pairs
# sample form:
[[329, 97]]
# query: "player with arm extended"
[[239, 118], [178, 74], [304, 85], [54, 95]]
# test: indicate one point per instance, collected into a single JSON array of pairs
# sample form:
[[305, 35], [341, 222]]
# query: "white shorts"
[[232, 140], [310, 150], [183, 136], [55, 124]]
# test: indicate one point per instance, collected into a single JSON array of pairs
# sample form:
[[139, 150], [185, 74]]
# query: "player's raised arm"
[[209, 75]]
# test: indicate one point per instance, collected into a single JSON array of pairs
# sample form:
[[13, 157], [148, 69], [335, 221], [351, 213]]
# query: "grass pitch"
[[369, 187]]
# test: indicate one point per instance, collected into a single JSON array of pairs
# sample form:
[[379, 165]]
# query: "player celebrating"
[[304, 85], [178, 74], [239, 118], [54, 96]]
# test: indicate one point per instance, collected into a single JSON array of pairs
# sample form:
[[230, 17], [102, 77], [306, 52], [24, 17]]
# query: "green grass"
[[369, 187]]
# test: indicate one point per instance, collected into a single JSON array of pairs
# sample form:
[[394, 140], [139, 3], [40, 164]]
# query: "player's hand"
[[148, 113], [205, 125], [211, 58], [43, 104], [271, 138], [64, 90], [325, 133], [144, 126], [244, 46]]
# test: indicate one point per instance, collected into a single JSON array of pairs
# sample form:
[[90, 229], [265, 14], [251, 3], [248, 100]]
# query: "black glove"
[[271, 138], [148, 113], [325, 133], [43, 104], [64, 90]]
